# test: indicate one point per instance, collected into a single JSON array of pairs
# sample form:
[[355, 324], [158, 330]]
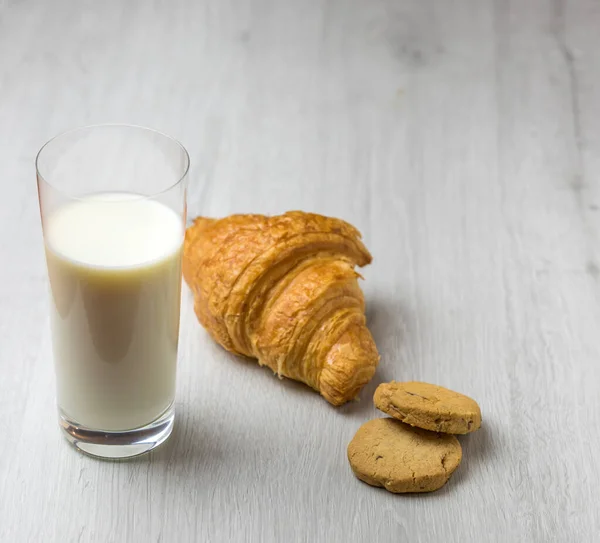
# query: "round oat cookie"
[[399, 458], [428, 406]]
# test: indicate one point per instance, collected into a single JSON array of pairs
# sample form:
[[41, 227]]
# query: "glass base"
[[119, 444]]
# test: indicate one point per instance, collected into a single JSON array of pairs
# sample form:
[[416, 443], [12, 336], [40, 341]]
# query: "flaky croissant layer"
[[283, 290]]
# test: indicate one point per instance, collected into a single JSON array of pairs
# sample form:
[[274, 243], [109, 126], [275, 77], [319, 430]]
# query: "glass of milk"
[[113, 208]]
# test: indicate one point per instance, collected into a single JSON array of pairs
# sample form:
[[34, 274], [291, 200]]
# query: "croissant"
[[283, 290]]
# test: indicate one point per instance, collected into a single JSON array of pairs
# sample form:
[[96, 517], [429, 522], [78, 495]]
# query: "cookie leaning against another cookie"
[[429, 406], [392, 455]]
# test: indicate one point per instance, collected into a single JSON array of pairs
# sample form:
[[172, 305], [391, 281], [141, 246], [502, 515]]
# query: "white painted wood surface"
[[462, 137]]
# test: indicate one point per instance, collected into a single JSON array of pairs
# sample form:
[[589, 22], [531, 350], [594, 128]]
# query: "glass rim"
[[186, 169]]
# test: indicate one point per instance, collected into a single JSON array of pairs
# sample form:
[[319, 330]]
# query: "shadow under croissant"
[[385, 320], [361, 404], [290, 385], [364, 403], [300, 389]]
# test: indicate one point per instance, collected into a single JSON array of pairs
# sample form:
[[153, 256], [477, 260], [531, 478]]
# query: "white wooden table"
[[462, 137]]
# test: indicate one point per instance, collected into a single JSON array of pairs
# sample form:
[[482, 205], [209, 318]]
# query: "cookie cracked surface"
[[389, 454], [428, 406]]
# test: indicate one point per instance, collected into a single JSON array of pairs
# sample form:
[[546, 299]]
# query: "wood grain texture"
[[461, 137]]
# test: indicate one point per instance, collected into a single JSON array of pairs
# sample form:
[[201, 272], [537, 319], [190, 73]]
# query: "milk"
[[114, 262]]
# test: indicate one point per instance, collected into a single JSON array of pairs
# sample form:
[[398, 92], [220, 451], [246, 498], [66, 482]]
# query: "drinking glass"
[[113, 208]]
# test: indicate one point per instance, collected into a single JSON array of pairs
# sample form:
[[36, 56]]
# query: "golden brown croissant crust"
[[283, 290]]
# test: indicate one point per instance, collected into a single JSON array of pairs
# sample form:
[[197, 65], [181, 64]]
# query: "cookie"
[[430, 407], [399, 458]]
